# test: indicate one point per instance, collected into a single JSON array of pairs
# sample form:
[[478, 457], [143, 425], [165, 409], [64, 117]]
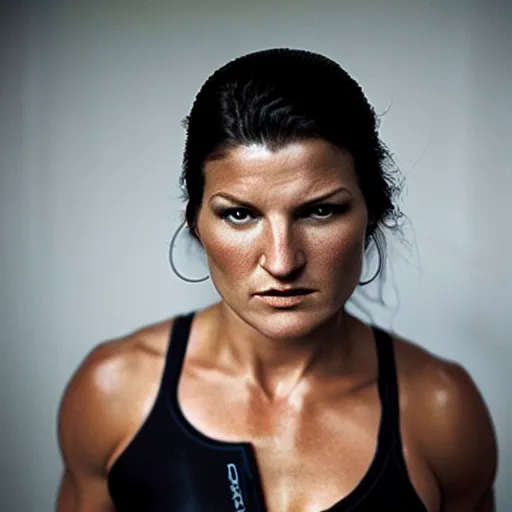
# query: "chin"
[[282, 324]]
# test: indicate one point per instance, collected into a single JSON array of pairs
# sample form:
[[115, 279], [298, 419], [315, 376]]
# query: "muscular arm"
[[89, 430], [459, 441], [104, 404]]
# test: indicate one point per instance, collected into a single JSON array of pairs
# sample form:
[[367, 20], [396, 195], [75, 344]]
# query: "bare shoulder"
[[451, 423], [109, 394]]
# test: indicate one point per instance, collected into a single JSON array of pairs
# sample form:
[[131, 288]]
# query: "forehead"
[[298, 167]]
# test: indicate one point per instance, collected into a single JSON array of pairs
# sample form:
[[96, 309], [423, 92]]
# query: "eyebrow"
[[323, 197]]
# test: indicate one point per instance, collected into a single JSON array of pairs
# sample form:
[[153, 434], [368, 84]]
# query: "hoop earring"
[[173, 266], [379, 268]]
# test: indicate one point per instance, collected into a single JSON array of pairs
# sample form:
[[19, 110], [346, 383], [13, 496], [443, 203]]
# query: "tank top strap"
[[178, 341], [388, 386], [387, 376]]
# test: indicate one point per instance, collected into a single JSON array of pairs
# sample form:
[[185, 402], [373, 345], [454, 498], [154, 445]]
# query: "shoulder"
[[108, 394], [450, 422]]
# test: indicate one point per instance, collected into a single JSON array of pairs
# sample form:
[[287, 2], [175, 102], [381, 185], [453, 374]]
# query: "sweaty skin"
[[299, 383]]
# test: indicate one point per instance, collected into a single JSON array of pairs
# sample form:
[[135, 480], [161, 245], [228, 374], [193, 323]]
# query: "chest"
[[218, 448], [310, 453]]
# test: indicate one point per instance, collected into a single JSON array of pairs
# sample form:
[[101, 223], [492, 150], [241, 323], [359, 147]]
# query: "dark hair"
[[275, 97]]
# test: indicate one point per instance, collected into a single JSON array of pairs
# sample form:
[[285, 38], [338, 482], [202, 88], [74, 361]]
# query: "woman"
[[276, 398]]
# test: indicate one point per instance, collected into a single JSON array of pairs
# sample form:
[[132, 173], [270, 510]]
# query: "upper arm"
[[459, 441], [78, 493], [89, 430]]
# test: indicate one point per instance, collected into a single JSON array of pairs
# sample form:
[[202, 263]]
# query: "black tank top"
[[169, 466]]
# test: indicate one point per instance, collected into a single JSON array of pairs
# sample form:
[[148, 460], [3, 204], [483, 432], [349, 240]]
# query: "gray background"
[[92, 94]]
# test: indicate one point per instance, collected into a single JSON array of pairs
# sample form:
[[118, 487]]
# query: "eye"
[[238, 216], [325, 211]]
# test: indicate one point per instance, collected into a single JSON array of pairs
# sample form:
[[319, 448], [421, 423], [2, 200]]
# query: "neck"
[[279, 366]]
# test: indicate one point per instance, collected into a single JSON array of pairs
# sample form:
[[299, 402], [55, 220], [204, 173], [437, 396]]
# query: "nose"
[[282, 257]]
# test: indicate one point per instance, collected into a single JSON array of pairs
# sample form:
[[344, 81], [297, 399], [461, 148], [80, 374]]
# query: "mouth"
[[284, 299], [273, 292]]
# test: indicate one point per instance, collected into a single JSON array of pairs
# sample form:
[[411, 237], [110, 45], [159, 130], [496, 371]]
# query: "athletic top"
[[169, 466]]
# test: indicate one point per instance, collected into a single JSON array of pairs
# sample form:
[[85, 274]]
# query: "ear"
[[194, 232], [371, 224]]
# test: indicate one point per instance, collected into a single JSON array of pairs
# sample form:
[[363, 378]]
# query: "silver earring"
[[173, 266], [379, 268]]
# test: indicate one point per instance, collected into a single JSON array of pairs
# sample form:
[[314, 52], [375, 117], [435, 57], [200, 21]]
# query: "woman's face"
[[291, 218]]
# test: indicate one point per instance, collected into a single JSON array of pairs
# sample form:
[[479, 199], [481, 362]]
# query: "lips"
[[285, 293]]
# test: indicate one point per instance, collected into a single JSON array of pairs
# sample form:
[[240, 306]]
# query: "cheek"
[[341, 250], [340, 260], [228, 253]]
